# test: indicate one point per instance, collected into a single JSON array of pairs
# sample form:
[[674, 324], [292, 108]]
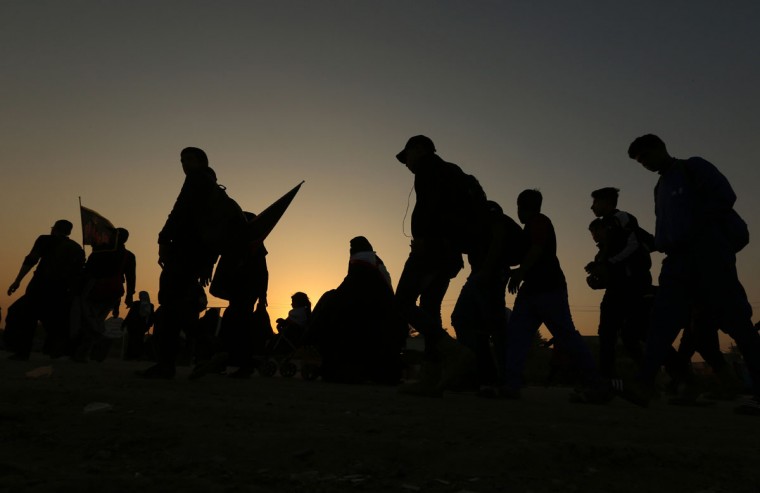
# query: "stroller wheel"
[[288, 369], [268, 369], [309, 372]]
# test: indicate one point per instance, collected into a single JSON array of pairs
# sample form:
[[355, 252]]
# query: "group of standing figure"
[[699, 290], [72, 296], [696, 228]]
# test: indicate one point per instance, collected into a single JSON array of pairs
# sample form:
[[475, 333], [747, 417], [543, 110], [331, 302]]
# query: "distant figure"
[[295, 324], [623, 260], [542, 299], [480, 315], [700, 234], [130, 269], [48, 296], [201, 224], [450, 206], [137, 323], [356, 327], [106, 269]]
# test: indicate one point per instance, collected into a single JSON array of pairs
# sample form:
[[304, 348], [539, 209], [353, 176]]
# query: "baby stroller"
[[287, 351]]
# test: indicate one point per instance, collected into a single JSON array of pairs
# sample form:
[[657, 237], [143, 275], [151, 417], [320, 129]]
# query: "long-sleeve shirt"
[[690, 198]]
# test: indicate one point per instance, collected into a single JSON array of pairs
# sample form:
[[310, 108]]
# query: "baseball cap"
[[416, 141]]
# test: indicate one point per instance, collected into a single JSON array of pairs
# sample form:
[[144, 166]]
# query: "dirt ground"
[[264, 434]]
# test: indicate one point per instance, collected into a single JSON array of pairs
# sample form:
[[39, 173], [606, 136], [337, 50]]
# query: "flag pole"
[[80, 220]]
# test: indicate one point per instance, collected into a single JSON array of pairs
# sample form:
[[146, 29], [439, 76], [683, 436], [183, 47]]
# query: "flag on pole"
[[263, 224], [228, 278], [96, 229]]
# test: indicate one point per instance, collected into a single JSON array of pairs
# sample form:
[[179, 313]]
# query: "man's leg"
[[521, 329], [670, 313], [556, 313], [610, 321], [418, 281], [471, 325]]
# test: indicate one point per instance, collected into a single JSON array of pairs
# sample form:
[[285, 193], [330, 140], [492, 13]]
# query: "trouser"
[[179, 294], [237, 334], [480, 320], [704, 277], [550, 308], [624, 312], [50, 309], [701, 336], [427, 281]]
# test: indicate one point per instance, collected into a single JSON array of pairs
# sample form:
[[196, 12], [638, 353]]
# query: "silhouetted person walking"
[[542, 299], [700, 234], [105, 272], [624, 262], [443, 223], [241, 278], [201, 222], [48, 296], [480, 315]]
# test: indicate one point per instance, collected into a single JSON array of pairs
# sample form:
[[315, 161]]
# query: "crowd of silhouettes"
[[359, 329]]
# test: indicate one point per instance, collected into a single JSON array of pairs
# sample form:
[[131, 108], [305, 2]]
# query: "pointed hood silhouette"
[[227, 281], [263, 224]]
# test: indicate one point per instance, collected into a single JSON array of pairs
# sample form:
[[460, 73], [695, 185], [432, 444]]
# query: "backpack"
[[731, 224], [646, 239], [222, 221], [470, 203]]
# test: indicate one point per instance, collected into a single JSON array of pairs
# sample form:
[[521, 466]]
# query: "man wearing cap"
[[440, 222], [47, 299]]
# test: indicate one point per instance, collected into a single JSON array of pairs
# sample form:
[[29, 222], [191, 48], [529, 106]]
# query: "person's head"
[[494, 207], [122, 235], [605, 201], [650, 151], [299, 300], [193, 159], [62, 227], [528, 204], [597, 230], [143, 296], [359, 244], [416, 149]]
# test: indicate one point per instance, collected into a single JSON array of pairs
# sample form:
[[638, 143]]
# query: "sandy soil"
[[219, 434]]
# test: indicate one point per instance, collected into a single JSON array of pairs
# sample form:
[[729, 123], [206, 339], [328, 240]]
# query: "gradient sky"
[[98, 98]]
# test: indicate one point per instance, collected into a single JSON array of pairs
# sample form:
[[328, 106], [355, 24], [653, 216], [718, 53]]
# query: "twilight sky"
[[98, 98]]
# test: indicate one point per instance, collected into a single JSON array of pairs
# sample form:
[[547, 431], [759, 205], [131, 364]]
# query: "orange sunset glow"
[[99, 99]]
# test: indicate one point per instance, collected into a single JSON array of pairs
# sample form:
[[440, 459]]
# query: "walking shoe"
[[751, 407], [631, 390], [158, 371], [456, 361]]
